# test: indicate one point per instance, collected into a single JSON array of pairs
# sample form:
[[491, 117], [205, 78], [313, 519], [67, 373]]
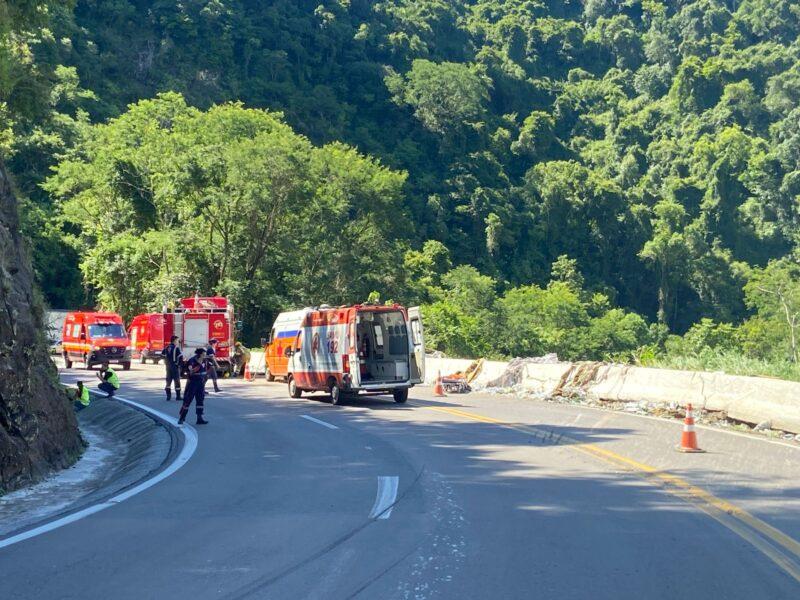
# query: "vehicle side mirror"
[[263, 341]]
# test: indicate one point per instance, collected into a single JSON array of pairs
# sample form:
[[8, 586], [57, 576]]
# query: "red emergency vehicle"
[[150, 334], [95, 338], [373, 349], [195, 321]]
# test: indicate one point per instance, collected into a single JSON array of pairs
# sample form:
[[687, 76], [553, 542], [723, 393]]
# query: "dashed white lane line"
[[189, 446], [319, 422], [385, 498]]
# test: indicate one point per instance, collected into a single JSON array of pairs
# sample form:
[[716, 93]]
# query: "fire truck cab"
[[95, 338], [361, 349]]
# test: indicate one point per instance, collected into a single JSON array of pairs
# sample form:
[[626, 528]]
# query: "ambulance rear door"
[[416, 346]]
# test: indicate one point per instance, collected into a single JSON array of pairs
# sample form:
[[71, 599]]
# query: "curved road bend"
[[467, 497]]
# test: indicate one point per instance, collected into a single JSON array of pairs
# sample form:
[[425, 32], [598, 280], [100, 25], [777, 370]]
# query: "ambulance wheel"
[[294, 391], [67, 361], [400, 396], [269, 376], [337, 395], [126, 366]]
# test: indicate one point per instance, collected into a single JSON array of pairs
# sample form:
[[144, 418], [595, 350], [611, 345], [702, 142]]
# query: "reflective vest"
[[113, 379], [85, 396]]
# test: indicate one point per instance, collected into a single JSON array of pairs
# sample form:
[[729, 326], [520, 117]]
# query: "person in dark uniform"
[[211, 360], [195, 388], [173, 359]]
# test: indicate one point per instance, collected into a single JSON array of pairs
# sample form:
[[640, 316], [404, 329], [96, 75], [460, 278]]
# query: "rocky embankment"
[[38, 430]]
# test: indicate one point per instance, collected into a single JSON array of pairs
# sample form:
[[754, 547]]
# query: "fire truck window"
[[378, 335], [271, 336], [76, 331], [106, 330]]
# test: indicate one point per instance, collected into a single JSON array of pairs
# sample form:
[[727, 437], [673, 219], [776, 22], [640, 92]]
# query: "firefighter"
[[173, 359], [211, 359], [195, 387], [109, 380], [81, 397], [242, 356]]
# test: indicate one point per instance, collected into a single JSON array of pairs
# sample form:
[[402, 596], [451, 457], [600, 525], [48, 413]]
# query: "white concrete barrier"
[[748, 399]]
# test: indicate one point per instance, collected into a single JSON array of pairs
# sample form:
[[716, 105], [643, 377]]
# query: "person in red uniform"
[[195, 388]]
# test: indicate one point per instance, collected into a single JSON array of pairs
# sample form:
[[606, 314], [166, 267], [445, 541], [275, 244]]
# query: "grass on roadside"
[[730, 362]]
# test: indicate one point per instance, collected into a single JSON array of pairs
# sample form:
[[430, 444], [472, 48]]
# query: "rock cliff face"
[[38, 430]]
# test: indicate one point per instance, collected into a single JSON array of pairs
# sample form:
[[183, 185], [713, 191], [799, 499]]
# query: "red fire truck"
[[195, 321], [150, 334]]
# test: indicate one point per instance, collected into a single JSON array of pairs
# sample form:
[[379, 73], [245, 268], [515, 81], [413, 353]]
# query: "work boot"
[[182, 416], [169, 395], [201, 420]]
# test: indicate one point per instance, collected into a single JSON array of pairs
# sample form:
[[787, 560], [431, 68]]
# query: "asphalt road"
[[469, 496]]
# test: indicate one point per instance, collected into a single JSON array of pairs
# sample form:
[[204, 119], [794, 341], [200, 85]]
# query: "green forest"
[[603, 179]]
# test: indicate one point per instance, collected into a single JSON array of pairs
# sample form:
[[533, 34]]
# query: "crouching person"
[[195, 388], [109, 380], [81, 397]]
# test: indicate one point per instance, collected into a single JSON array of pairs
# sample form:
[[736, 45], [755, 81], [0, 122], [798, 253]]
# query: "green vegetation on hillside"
[[580, 177]]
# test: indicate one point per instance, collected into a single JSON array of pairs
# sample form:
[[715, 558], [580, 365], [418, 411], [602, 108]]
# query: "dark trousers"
[[106, 387], [79, 406], [173, 377], [194, 391], [212, 374]]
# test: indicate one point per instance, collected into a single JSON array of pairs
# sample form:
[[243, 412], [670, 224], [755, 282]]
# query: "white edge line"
[[385, 498], [319, 422], [189, 446]]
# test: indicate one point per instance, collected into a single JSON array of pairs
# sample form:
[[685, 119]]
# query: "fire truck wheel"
[[294, 391], [126, 366], [400, 396], [67, 361], [337, 396]]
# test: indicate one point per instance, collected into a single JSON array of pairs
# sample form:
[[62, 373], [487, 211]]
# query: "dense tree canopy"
[[653, 142]]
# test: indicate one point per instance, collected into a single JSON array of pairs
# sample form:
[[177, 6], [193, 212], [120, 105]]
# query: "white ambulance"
[[350, 350]]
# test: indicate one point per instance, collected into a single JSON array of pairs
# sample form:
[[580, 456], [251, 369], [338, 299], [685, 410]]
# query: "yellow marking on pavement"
[[731, 516]]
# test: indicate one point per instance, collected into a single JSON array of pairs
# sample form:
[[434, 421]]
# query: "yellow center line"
[[727, 514]]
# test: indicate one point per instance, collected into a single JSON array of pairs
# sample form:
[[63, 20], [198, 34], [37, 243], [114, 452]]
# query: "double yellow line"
[[750, 528]]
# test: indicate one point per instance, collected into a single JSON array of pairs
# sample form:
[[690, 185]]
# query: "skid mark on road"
[[385, 498], [780, 548], [318, 421]]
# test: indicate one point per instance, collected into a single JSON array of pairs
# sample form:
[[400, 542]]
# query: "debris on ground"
[[515, 371], [458, 382]]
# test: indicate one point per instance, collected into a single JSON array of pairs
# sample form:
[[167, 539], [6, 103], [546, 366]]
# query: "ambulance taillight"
[[345, 363]]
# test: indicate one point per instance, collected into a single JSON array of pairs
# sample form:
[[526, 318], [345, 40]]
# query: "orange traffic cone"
[[438, 389], [689, 437], [247, 376]]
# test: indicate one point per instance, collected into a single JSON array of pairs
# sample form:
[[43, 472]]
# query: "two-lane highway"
[[468, 497]]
